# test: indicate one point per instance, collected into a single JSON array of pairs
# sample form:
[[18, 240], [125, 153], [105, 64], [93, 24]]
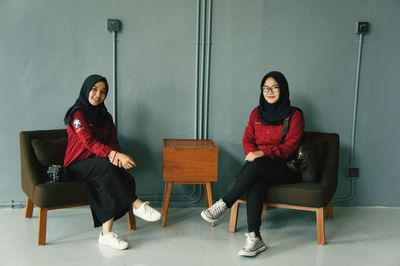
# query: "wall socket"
[[353, 171]]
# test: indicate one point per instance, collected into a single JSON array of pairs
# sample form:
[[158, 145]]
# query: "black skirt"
[[111, 190]]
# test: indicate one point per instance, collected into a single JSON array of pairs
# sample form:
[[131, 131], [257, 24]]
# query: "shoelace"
[[116, 237], [250, 241], [147, 208], [217, 209]]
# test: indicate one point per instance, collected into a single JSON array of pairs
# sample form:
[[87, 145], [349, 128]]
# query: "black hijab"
[[95, 114], [272, 114]]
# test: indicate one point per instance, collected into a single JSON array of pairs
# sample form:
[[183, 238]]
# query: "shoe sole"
[[108, 245], [253, 253], [149, 220], [206, 218], [211, 221]]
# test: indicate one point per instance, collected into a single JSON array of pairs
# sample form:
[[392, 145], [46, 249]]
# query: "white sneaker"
[[216, 211], [113, 241], [253, 246], [147, 213]]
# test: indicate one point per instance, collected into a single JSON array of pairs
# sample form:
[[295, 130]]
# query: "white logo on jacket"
[[77, 123]]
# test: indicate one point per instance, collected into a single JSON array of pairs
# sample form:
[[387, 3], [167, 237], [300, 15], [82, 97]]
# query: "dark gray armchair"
[[314, 196], [39, 149]]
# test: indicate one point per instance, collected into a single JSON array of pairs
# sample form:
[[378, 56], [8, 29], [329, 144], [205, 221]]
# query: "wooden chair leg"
[[320, 226], [42, 226], [329, 211], [28, 208], [131, 220], [234, 217]]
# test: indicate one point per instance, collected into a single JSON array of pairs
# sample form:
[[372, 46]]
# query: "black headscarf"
[[272, 114], [96, 114]]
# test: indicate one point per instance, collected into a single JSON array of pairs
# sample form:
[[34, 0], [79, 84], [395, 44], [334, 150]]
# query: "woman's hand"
[[251, 156], [121, 160]]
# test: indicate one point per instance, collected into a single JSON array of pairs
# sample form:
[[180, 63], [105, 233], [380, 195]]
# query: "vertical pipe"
[[207, 68], [201, 86], [196, 92], [353, 135], [114, 74], [353, 130]]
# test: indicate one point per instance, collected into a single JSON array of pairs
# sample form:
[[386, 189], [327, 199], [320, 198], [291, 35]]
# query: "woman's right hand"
[[121, 160]]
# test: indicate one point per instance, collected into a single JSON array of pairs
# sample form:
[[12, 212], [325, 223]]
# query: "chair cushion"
[[50, 151], [49, 195]]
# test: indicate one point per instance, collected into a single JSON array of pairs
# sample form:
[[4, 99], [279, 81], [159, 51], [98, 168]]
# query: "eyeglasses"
[[273, 89]]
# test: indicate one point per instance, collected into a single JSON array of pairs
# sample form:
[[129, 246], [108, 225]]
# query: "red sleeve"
[[80, 126], [293, 137], [249, 139]]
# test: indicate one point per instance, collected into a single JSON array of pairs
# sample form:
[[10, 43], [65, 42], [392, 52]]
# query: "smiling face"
[[271, 90], [98, 93]]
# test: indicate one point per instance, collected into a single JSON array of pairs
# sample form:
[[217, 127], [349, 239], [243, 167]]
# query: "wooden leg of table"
[[208, 194], [28, 208], [167, 197]]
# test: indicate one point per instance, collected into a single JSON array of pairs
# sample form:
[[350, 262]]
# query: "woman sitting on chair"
[[266, 157], [93, 155]]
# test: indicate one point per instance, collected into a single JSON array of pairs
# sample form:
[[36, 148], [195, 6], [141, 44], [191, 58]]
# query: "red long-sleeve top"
[[267, 138], [85, 140]]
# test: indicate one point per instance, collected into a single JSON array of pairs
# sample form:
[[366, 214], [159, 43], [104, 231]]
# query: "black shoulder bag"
[[304, 158]]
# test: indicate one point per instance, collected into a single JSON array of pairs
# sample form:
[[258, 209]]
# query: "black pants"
[[254, 178], [111, 190]]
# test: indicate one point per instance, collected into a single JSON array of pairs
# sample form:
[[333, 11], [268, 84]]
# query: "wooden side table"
[[188, 161]]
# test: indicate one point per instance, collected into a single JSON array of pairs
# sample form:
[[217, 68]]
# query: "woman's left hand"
[[251, 156]]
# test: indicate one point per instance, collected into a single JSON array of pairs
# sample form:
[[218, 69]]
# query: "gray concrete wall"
[[48, 47]]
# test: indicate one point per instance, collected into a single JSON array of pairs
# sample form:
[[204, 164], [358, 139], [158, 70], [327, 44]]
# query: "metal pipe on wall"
[[353, 135], [207, 45], [196, 88], [353, 128], [114, 75]]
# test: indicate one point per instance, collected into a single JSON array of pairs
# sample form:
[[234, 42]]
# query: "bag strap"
[[285, 128]]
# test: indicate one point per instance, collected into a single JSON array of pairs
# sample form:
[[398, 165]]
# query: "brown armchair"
[[39, 149], [314, 196]]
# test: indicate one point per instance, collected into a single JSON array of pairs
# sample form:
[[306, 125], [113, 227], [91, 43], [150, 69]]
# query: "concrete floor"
[[356, 236]]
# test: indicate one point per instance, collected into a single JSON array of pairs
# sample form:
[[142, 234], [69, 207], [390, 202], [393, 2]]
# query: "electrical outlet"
[[353, 171], [114, 25], [362, 27]]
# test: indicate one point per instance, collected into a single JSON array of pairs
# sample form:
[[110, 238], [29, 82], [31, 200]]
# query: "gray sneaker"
[[253, 246], [216, 211]]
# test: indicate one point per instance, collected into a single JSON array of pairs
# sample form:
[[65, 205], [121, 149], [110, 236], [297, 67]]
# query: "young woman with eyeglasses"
[[266, 157]]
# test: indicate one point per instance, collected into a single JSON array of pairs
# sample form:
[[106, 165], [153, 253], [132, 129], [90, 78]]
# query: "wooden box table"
[[188, 161]]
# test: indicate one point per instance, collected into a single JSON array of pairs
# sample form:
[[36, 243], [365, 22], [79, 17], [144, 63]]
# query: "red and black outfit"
[[264, 133], [91, 137]]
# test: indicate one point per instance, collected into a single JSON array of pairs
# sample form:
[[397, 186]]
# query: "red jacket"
[[267, 138], [85, 140]]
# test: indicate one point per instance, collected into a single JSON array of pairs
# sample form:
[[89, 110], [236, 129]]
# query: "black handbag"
[[303, 160]]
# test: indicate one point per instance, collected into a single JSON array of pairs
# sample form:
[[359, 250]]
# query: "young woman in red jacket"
[[93, 155], [266, 157]]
